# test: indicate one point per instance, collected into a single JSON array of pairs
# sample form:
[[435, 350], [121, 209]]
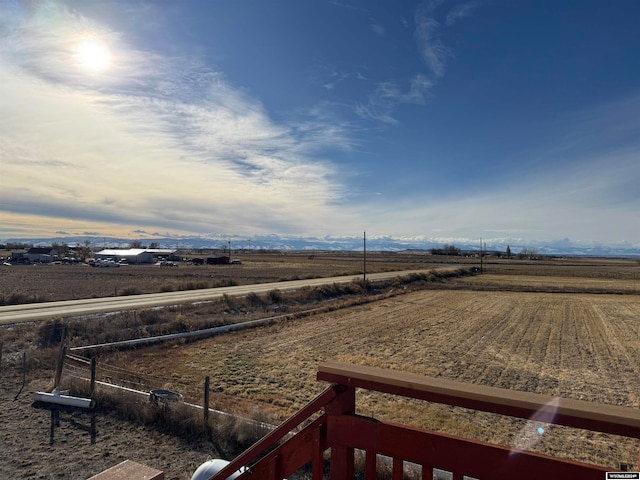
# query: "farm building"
[[39, 255], [164, 253], [131, 255]]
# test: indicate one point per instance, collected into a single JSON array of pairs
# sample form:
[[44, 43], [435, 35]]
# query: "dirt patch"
[[27, 452]]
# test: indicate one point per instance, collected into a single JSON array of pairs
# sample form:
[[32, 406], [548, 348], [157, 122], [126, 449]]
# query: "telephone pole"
[[364, 258]]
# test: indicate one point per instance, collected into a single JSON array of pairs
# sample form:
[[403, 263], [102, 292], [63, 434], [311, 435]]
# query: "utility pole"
[[480, 254], [364, 258]]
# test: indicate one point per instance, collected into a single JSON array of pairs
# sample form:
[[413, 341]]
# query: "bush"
[[275, 296], [229, 301], [359, 285], [194, 286], [130, 291], [254, 300], [16, 298], [51, 333], [149, 317]]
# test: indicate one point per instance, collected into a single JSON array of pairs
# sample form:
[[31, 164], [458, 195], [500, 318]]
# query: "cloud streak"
[[459, 11], [384, 100]]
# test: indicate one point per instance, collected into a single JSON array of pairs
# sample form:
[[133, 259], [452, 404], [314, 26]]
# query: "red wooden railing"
[[332, 425]]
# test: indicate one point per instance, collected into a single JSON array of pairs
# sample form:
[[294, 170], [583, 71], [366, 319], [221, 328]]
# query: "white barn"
[[131, 255]]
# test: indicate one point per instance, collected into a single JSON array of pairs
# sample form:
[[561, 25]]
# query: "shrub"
[[254, 300], [51, 333], [149, 317], [229, 301], [330, 291], [130, 291], [17, 298], [359, 285], [194, 286], [275, 296]]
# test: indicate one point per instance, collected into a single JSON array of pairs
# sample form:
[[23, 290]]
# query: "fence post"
[[0, 358], [92, 386], [61, 355], [91, 395], [206, 405], [24, 369]]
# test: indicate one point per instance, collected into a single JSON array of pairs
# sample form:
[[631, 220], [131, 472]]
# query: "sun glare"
[[93, 55]]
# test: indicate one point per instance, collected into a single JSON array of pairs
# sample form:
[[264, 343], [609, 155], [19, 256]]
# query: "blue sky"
[[514, 121]]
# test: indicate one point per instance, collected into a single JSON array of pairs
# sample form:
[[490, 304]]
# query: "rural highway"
[[11, 314]]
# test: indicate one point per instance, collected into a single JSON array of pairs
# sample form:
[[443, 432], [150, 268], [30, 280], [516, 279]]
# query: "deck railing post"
[[342, 458], [317, 461]]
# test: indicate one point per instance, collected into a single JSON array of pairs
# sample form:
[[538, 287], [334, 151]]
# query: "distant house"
[[40, 255]]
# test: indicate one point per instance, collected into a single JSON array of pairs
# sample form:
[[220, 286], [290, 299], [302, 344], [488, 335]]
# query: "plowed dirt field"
[[567, 345]]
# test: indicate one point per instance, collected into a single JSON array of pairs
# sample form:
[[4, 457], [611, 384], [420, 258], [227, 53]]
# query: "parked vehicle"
[[167, 264]]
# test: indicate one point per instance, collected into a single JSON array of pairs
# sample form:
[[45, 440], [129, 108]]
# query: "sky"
[[447, 120]]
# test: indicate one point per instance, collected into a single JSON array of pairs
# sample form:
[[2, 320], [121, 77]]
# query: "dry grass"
[[570, 345], [560, 284]]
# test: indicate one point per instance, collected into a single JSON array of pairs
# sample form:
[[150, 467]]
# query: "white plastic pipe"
[[62, 399]]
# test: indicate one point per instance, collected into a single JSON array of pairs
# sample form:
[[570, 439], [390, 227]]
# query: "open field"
[[564, 328], [43, 283], [575, 346], [559, 284]]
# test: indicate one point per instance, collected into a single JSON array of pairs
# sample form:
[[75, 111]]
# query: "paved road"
[[10, 314]]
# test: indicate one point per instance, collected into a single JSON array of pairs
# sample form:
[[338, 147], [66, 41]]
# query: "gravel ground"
[[26, 451]]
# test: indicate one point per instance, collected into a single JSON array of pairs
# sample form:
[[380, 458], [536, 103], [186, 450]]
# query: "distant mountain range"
[[380, 243]]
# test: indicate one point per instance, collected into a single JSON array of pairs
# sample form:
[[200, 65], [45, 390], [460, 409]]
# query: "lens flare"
[[537, 426]]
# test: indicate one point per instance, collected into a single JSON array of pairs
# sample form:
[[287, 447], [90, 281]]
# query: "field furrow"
[[566, 345]]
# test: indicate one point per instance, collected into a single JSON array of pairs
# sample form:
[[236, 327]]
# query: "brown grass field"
[[567, 328]]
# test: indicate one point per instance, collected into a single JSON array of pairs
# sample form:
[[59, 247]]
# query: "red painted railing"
[[332, 425]]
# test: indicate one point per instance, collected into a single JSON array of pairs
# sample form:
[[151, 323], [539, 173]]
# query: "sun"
[[93, 54]]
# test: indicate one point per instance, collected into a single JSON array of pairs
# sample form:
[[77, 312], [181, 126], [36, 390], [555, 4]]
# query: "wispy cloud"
[[381, 105], [377, 28], [154, 140], [428, 38], [420, 87], [428, 32], [384, 100], [459, 11]]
